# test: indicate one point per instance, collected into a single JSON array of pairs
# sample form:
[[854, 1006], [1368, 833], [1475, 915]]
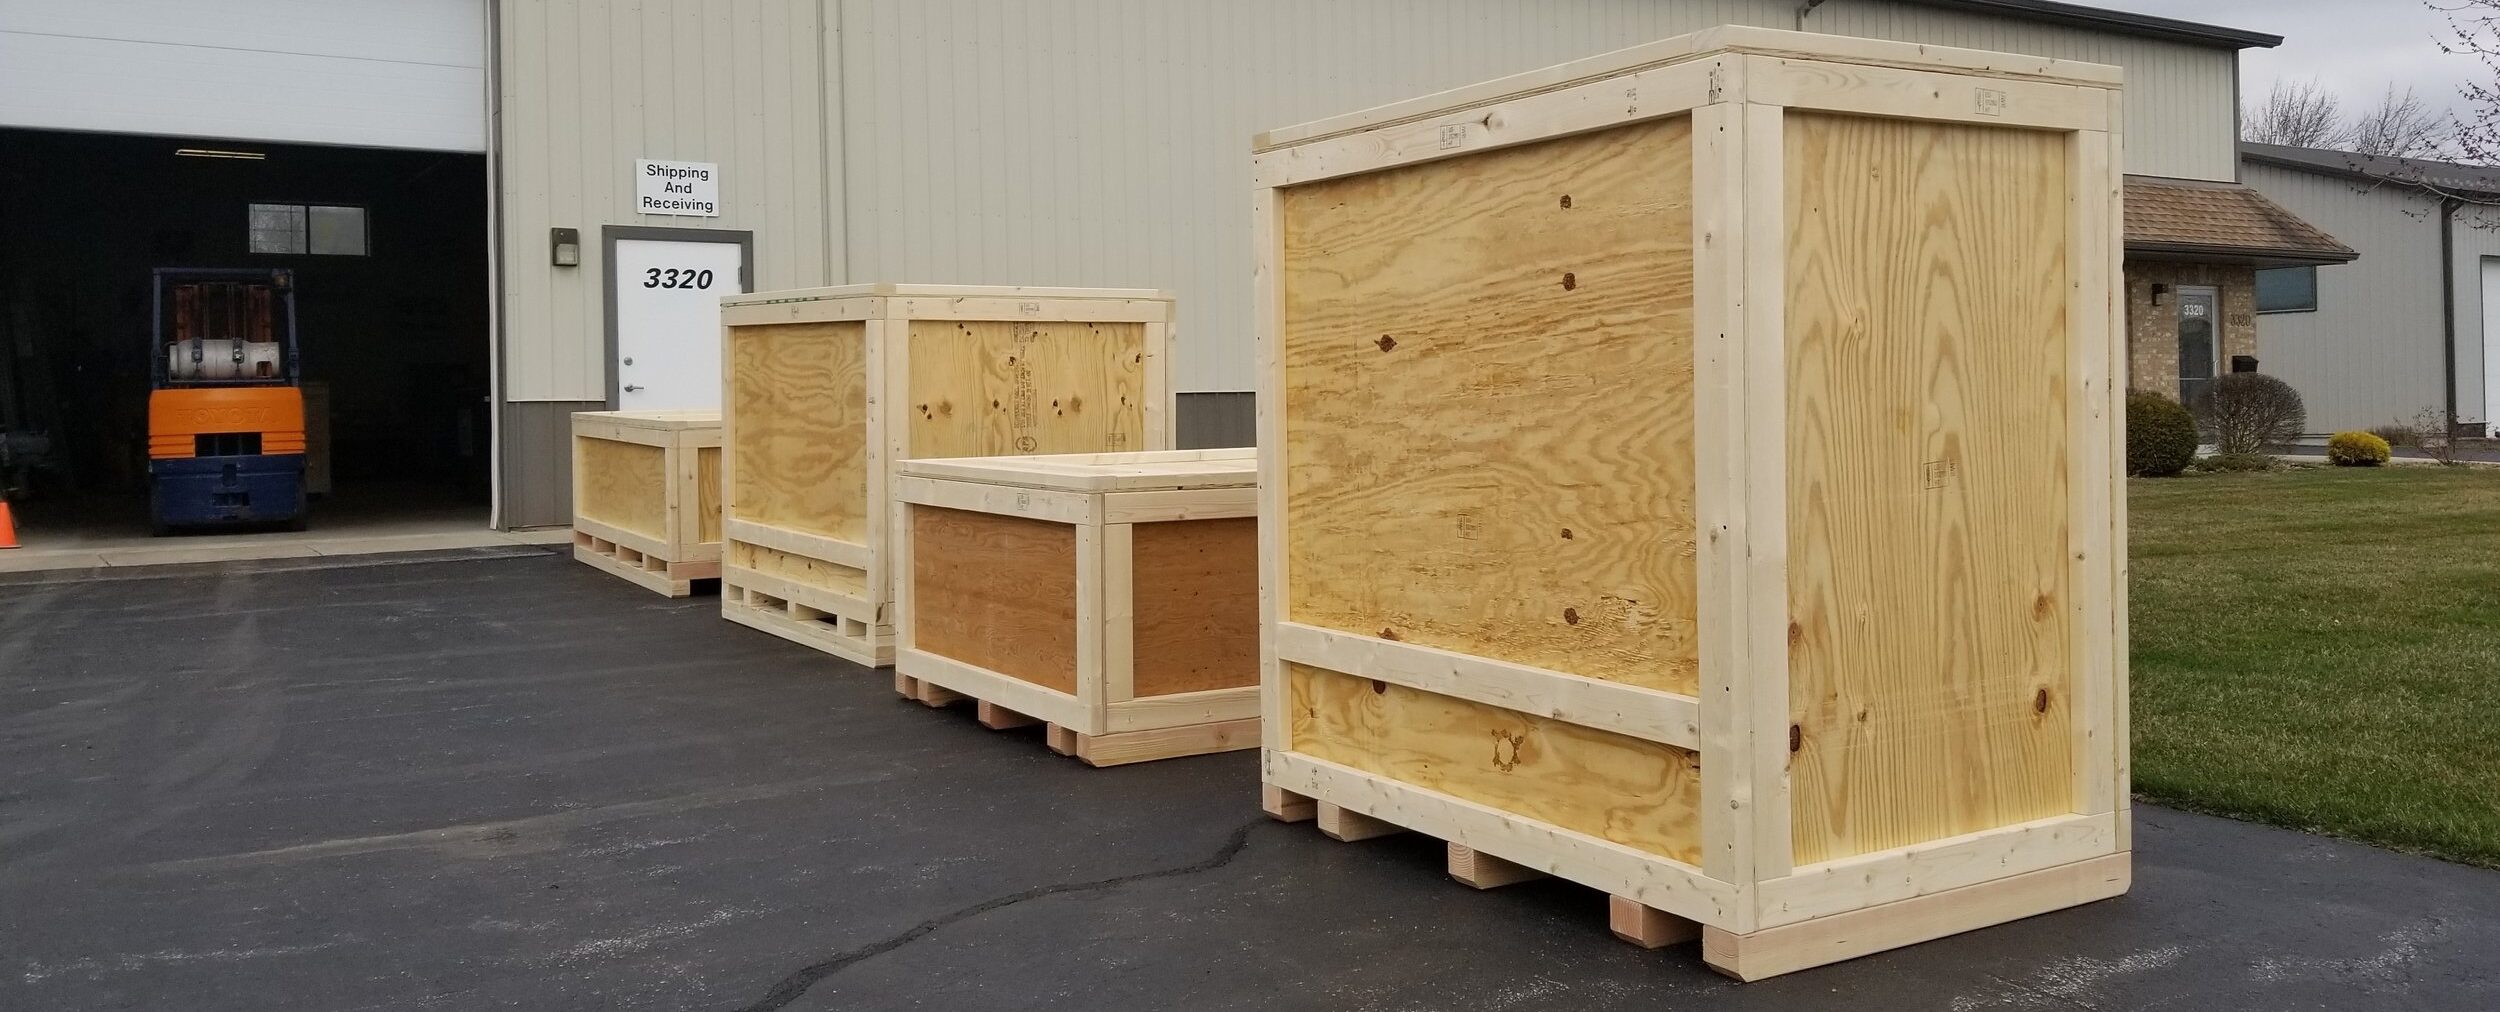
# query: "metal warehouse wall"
[[1106, 142], [585, 88], [2182, 101], [2371, 354]]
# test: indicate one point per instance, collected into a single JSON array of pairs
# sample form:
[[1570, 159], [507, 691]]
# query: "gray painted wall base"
[[1211, 421], [538, 462]]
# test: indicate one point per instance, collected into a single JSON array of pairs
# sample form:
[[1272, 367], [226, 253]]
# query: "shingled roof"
[[2191, 219]]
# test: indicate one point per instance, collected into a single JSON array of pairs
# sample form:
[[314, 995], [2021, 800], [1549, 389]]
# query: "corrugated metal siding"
[[2181, 102], [1105, 142], [2371, 354], [2476, 234], [588, 86]]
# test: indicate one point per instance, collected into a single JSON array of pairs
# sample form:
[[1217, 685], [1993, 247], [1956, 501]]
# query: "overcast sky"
[[2355, 47]]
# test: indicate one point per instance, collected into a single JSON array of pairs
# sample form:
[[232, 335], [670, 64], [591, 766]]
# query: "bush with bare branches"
[[2245, 411]]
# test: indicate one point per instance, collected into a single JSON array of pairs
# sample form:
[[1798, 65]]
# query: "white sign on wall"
[[689, 189]]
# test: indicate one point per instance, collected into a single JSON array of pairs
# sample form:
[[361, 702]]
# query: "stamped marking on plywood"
[[1936, 474], [1988, 102], [1029, 308], [1453, 136], [1507, 761]]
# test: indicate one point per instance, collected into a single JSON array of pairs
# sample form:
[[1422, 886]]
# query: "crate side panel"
[[988, 387], [997, 592], [1927, 502], [1488, 386], [799, 396], [1637, 793], [1195, 588], [707, 494], [624, 485], [798, 569]]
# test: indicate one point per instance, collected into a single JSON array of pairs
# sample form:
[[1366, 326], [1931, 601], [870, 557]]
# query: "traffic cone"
[[8, 526]]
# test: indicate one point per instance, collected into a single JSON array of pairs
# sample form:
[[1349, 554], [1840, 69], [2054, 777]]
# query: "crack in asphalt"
[[792, 987]]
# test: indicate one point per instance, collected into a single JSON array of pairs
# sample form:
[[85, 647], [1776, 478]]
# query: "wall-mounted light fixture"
[[2161, 293], [249, 156], [565, 247]]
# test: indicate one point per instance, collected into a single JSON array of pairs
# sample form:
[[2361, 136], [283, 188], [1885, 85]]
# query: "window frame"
[[2257, 290], [364, 214]]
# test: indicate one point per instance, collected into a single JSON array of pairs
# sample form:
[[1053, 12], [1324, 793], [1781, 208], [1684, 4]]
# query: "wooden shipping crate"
[[1692, 472], [1112, 596], [646, 496], [826, 389]]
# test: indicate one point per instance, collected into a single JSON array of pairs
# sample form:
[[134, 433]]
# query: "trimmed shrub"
[[2161, 436], [2356, 449], [2245, 411], [2222, 462]]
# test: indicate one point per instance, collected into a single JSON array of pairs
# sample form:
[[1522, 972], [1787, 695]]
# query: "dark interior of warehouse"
[[388, 251]]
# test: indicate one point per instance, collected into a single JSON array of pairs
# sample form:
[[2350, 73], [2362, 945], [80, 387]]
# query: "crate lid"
[[686, 419], [894, 289], [1708, 42], [1151, 470]]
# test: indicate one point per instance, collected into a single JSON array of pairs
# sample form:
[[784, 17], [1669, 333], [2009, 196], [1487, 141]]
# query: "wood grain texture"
[[1637, 793], [988, 387], [1487, 375], [1195, 588], [1929, 661], [623, 485], [996, 592], [796, 569], [707, 494], [798, 398]]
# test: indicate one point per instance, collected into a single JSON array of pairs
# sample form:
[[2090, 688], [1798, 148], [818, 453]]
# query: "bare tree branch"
[[2301, 114], [2400, 126]]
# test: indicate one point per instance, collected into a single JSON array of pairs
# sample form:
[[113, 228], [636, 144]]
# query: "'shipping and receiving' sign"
[[682, 188]]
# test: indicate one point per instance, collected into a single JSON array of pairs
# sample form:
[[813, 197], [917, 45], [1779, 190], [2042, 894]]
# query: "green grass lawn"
[[2320, 649]]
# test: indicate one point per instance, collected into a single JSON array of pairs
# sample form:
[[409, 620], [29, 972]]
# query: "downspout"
[[1805, 9], [2448, 306]]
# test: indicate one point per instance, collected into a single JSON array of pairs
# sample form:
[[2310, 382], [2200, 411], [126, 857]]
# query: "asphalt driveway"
[[498, 779]]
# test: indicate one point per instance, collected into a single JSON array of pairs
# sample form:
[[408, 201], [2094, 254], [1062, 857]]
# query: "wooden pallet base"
[[850, 639], [1786, 948], [673, 579], [1095, 749]]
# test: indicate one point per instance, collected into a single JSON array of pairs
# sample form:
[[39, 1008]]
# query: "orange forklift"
[[226, 407]]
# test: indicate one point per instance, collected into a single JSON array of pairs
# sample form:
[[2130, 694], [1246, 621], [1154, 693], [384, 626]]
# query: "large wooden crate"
[[1112, 596], [646, 496], [1692, 472], [826, 389]]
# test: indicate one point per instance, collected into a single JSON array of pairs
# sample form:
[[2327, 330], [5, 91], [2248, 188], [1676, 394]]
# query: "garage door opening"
[[388, 255]]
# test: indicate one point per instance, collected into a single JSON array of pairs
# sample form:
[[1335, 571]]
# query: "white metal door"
[[668, 296], [2491, 340]]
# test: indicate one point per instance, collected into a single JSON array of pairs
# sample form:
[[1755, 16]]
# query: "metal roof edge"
[[2127, 22]]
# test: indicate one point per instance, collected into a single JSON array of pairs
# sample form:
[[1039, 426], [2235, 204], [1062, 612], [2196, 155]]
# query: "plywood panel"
[[624, 485], [1488, 381], [1927, 516], [799, 401], [997, 592], [707, 494], [1196, 596], [988, 387], [797, 569], [1637, 793]]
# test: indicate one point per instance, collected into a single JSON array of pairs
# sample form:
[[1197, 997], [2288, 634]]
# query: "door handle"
[[630, 388]]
